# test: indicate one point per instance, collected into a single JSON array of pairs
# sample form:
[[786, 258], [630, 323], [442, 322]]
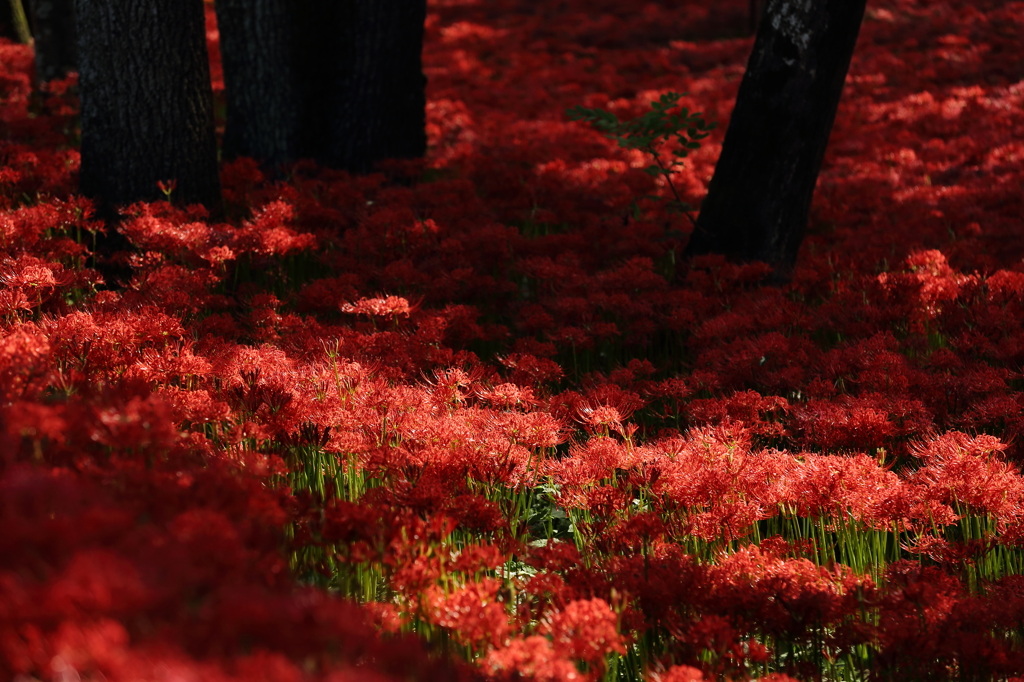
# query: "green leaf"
[[662, 123]]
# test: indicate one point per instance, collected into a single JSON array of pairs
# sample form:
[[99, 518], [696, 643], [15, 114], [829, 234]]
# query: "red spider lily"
[[267, 235], [530, 370], [533, 656], [586, 630], [150, 437], [680, 673], [167, 187], [474, 612], [506, 396], [971, 472], [385, 307]]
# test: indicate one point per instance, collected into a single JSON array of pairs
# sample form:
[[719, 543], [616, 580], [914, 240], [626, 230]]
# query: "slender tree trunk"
[[53, 24], [147, 105], [337, 81], [760, 195], [14, 22]]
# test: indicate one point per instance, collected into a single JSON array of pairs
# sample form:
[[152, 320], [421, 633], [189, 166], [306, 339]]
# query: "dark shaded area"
[[6, 21], [754, 14], [10, 20], [337, 82], [55, 38], [146, 103], [760, 195]]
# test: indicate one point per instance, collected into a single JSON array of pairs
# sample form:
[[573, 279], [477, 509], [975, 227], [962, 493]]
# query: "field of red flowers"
[[471, 418]]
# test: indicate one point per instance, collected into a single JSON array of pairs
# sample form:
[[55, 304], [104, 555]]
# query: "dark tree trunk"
[[376, 108], [760, 195], [337, 81], [755, 15], [256, 43], [53, 29], [147, 105]]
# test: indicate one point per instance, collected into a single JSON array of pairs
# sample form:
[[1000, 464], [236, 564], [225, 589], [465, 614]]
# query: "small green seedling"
[[648, 132]]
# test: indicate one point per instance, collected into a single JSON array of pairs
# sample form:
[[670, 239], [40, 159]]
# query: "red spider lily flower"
[[387, 617], [474, 612], [218, 254], [970, 472], [507, 396], [533, 656], [1005, 285], [827, 485], [555, 556], [25, 361], [386, 307], [450, 387], [604, 502], [945, 552], [164, 228], [761, 414], [267, 235], [586, 630], [600, 416], [477, 558], [29, 282], [137, 423], [679, 673], [167, 187], [530, 429], [830, 426], [477, 514], [530, 370], [27, 275]]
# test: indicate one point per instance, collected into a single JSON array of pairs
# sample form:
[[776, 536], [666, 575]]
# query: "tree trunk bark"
[[256, 43], [53, 28], [147, 105], [337, 81], [376, 108], [760, 195]]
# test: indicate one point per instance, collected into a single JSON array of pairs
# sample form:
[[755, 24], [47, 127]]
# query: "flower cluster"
[[469, 417]]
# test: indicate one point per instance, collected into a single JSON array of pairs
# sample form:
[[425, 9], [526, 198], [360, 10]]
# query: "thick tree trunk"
[[337, 81], [760, 195], [376, 108], [53, 28], [256, 43], [147, 105]]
